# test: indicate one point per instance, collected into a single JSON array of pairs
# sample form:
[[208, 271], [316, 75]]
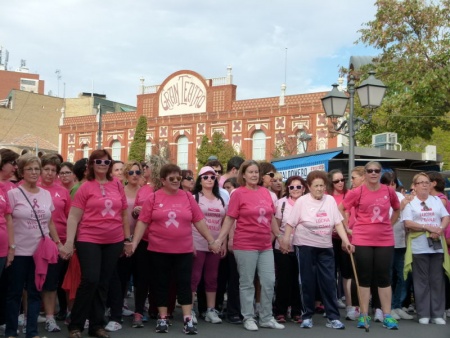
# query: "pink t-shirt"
[[102, 206], [7, 186], [143, 193], [169, 219], [283, 210], [253, 211], [5, 209], [26, 228], [372, 225], [338, 198], [61, 201], [214, 213], [314, 221]]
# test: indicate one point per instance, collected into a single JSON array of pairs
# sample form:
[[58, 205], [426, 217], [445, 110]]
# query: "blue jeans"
[[20, 273], [399, 292]]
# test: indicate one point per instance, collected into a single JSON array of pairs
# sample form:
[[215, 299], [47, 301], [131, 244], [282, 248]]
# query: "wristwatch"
[[12, 246], [129, 239]]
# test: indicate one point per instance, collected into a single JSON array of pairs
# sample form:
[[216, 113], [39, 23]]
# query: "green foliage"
[[137, 147], [218, 147], [414, 39]]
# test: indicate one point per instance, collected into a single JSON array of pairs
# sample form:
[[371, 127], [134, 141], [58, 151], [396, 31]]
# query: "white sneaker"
[[113, 326], [395, 315], [51, 326], [424, 320], [21, 319], [194, 317], [250, 325], [212, 316], [24, 323], [402, 314], [86, 324], [352, 313], [306, 324], [2, 330], [41, 319], [439, 321], [340, 304], [378, 316], [127, 312], [272, 324]]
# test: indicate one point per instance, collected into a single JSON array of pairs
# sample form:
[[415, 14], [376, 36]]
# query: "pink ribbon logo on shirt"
[[262, 216], [108, 208], [376, 215], [35, 204], [172, 215]]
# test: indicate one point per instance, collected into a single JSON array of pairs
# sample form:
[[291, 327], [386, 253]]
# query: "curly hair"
[[155, 163]]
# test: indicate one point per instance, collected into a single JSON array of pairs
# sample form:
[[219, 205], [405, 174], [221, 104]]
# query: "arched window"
[[85, 149], [259, 146], [182, 152], [116, 150], [302, 143], [148, 149]]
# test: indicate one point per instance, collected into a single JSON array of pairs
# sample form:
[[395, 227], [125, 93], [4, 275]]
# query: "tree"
[[137, 148], [414, 39], [218, 147]]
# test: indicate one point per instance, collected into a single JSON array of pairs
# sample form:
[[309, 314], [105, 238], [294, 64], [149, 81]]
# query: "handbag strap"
[[37, 219]]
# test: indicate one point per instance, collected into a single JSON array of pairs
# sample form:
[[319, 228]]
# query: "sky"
[[109, 44]]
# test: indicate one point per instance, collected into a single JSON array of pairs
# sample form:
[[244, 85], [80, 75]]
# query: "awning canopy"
[[301, 166]]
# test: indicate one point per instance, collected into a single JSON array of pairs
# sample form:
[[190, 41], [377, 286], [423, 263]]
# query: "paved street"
[[408, 328]]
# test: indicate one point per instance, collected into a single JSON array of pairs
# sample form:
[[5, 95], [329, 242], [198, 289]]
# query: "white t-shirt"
[[432, 217], [314, 221]]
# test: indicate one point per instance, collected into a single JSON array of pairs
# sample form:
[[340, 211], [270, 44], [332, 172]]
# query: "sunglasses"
[[423, 183], [212, 177], [337, 181], [105, 162], [272, 175], [218, 172], [132, 172], [424, 206], [13, 163], [188, 178], [174, 178], [298, 187], [376, 171]]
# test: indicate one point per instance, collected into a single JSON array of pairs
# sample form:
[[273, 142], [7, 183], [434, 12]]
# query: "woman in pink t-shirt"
[[373, 238], [206, 263], [32, 209], [61, 201], [168, 213], [8, 168], [98, 217], [314, 217], [251, 206], [6, 232]]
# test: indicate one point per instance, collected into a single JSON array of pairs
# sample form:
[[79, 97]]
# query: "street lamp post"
[[370, 92]]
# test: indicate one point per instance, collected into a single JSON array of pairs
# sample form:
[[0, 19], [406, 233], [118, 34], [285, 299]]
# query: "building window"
[[148, 149], [259, 146], [85, 149], [116, 150], [182, 152]]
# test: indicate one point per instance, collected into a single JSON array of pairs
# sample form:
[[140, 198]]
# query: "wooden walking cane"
[[366, 323]]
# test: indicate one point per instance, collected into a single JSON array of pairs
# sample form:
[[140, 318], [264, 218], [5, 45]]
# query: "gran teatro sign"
[[183, 94]]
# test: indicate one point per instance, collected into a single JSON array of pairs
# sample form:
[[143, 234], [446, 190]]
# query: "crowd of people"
[[75, 239]]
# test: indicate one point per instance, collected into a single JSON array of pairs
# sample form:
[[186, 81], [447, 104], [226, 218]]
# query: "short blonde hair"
[[25, 160]]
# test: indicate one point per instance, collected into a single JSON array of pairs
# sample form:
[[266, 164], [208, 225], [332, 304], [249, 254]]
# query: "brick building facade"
[[186, 106], [19, 80]]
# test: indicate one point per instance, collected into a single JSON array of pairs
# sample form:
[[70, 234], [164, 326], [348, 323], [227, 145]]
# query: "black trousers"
[[97, 263], [233, 301], [287, 289]]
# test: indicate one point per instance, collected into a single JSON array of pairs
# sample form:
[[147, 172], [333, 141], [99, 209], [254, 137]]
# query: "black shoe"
[[60, 316], [161, 326], [234, 319], [189, 327]]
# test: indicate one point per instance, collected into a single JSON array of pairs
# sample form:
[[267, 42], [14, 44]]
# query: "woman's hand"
[[10, 257], [129, 248], [136, 211], [284, 245], [230, 245], [66, 250], [223, 250], [214, 247], [348, 247]]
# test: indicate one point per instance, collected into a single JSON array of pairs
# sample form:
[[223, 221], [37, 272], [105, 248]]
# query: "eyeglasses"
[[354, 177], [218, 172], [188, 178], [370, 171], [132, 172], [105, 162], [298, 187], [337, 181], [212, 177], [64, 173], [13, 163], [174, 178], [32, 170], [423, 183], [272, 175], [424, 206]]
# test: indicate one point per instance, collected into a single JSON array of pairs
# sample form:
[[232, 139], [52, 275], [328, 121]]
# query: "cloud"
[[114, 43]]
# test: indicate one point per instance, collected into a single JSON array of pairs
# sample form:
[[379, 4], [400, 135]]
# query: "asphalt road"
[[407, 328]]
